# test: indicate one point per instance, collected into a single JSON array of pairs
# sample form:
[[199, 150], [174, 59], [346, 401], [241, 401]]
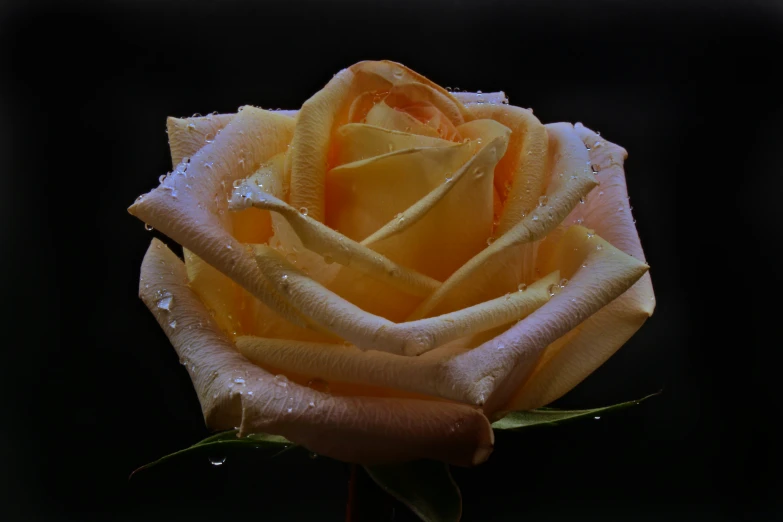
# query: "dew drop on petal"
[[303, 211], [148, 227], [521, 287], [543, 200], [173, 324]]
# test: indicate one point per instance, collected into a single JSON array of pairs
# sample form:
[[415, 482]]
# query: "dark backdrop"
[[91, 388]]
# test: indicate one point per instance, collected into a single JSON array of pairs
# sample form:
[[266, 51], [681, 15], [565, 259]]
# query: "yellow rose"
[[378, 275]]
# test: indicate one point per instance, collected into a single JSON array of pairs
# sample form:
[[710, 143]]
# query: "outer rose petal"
[[598, 273], [234, 392], [567, 362], [190, 205], [188, 135]]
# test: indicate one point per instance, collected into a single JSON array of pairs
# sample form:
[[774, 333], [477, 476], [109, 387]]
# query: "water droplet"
[[599, 247], [553, 289], [601, 193], [173, 324], [237, 183], [289, 410], [582, 201], [597, 418], [281, 380], [543, 200], [598, 144], [191, 126], [400, 218], [535, 217], [229, 247], [239, 380], [398, 74], [303, 211], [209, 138], [328, 259], [217, 461], [563, 282], [490, 240], [521, 287], [590, 233], [579, 221], [448, 179], [500, 346], [478, 173], [250, 393], [164, 300], [148, 227], [584, 265]]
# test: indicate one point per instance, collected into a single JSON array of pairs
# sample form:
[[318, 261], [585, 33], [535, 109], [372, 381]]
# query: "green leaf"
[[517, 420], [227, 440], [425, 486]]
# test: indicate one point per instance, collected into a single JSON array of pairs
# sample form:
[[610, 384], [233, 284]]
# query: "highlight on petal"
[[190, 205], [323, 240], [499, 267], [235, 392], [566, 362], [448, 226]]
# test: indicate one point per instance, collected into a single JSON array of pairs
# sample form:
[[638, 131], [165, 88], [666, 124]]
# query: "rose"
[[377, 275]]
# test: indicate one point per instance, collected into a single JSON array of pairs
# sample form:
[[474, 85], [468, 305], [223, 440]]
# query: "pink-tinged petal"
[[190, 205], [235, 392], [568, 361]]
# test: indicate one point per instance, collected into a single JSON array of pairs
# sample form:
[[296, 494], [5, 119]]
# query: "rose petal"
[[331, 313], [365, 195], [190, 205], [381, 115], [499, 268], [521, 175], [188, 135], [447, 227], [565, 363], [329, 108], [427, 374], [357, 141], [606, 274], [323, 240], [234, 392]]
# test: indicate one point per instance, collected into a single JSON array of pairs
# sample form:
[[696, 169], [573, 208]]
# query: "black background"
[[91, 388]]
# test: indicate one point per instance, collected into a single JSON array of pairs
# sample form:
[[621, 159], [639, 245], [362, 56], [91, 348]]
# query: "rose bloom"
[[380, 274]]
